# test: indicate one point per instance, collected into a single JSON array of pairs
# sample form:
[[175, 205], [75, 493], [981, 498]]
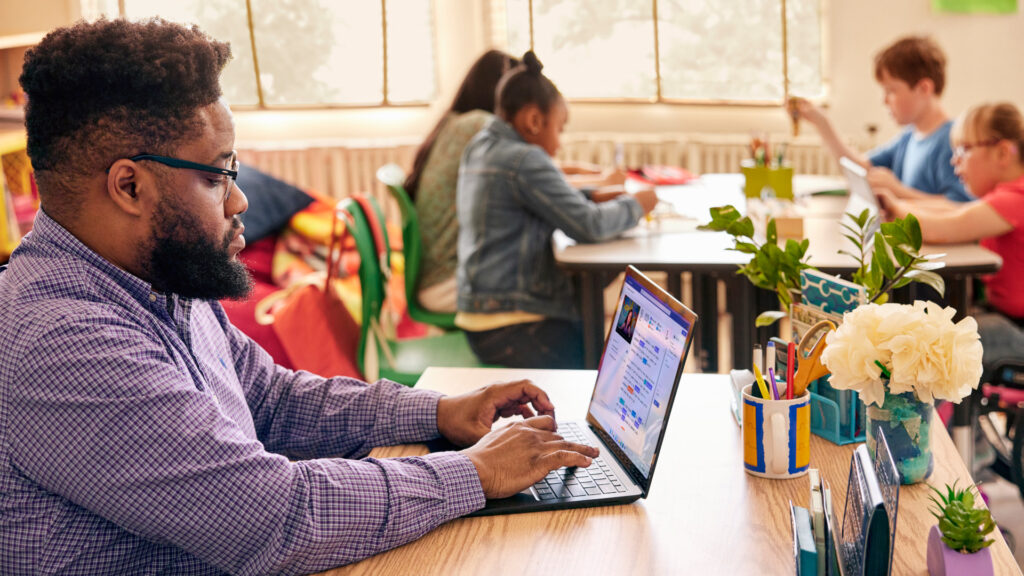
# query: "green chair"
[[378, 356], [412, 248]]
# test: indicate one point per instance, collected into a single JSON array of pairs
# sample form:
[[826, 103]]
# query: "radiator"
[[700, 154], [341, 169], [335, 170]]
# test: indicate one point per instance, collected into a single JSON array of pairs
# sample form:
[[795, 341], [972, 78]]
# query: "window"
[[670, 50], [314, 53]]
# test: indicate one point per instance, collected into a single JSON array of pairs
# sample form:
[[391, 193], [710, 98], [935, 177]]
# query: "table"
[[706, 255], [705, 515], [682, 248]]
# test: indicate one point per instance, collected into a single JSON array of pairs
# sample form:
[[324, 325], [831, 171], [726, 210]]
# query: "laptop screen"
[[642, 361]]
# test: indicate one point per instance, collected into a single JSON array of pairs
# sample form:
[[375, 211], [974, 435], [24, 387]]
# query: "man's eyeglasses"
[[962, 150], [231, 173]]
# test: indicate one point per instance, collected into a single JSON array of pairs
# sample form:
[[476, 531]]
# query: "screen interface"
[[638, 370]]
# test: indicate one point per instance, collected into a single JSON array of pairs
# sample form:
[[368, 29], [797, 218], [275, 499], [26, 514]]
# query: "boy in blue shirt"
[[915, 164]]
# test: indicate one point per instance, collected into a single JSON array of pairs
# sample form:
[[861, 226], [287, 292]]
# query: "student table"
[[704, 515], [679, 247]]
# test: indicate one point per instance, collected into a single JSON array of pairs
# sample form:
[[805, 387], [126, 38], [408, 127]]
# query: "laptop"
[[629, 409], [861, 195]]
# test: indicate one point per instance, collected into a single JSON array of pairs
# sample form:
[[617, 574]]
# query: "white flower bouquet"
[[917, 347]]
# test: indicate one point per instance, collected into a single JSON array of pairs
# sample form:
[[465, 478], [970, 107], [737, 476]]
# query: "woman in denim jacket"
[[516, 305]]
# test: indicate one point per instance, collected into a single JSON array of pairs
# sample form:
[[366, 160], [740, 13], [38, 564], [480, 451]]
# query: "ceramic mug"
[[776, 436]]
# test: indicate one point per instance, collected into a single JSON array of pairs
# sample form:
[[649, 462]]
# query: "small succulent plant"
[[964, 528]]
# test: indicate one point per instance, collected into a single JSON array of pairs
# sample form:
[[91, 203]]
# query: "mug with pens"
[[777, 415]]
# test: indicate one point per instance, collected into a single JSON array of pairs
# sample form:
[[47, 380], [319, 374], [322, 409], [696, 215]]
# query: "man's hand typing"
[[515, 457], [464, 419]]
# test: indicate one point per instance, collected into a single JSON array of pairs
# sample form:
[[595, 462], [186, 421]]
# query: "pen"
[[790, 366], [775, 389], [760, 382]]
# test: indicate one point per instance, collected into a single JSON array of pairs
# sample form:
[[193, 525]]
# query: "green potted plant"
[[887, 258], [958, 544]]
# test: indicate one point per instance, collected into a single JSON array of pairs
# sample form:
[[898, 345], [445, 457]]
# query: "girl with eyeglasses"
[[988, 155]]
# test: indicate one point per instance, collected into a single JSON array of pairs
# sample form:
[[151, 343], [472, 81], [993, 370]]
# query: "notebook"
[[629, 408]]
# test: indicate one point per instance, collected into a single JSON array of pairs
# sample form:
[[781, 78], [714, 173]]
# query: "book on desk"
[[865, 541]]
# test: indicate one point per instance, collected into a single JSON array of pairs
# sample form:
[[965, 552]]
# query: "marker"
[[760, 382], [790, 367], [758, 357], [769, 355], [775, 389]]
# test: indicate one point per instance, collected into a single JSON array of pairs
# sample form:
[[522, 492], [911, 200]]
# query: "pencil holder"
[[776, 436], [757, 178]]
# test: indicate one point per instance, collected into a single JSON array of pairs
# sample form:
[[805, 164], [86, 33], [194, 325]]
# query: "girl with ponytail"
[[517, 307]]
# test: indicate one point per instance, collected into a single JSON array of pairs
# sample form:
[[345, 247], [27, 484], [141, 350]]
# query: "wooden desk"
[[705, 515]]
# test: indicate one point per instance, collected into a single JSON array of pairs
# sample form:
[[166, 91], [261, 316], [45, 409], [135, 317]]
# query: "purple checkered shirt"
[[142, 433]]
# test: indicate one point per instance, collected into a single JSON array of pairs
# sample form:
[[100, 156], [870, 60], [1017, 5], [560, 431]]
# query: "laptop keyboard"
[[596, 479]]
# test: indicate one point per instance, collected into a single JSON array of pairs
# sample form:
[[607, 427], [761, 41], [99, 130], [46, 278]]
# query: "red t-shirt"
[[1006, 287]]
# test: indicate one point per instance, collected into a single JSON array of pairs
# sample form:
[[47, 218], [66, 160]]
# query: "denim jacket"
[[510, 198]]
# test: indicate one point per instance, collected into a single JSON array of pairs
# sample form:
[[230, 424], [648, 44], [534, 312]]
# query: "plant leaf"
[[930, 278], [745, 247], [743, 228], [881, 257], [913, 230], [854, 240], [768, 318], [929, 265]]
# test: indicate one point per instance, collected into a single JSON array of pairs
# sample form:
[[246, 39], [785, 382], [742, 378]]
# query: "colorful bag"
[[311, 319]]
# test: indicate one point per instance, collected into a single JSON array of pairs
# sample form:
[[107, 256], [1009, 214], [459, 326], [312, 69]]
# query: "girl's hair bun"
[[532, 64]]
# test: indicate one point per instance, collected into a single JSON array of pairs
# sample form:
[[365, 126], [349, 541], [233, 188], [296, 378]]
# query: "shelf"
[[21, 40], [14, 114]]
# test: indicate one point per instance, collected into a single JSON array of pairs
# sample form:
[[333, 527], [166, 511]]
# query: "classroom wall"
[[985, 56], [21, 17]]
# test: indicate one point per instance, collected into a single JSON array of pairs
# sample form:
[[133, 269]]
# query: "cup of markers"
[[776, 428]]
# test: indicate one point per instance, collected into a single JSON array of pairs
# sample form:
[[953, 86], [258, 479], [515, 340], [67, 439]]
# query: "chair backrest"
[[412, 247], [378, 228], [370, 277]]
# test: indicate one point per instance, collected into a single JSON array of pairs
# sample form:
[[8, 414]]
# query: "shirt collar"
[[49, 231], [503, 129]]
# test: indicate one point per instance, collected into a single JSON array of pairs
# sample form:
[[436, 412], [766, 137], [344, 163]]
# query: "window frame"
[[385, 101], [498, 7]]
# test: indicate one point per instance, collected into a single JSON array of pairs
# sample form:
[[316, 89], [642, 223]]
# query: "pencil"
[[760, 383]]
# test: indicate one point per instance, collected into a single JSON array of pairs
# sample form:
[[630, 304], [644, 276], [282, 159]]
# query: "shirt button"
[[152, 297]]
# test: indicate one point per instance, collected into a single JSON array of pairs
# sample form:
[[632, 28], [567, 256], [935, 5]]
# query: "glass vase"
[[906, 422]]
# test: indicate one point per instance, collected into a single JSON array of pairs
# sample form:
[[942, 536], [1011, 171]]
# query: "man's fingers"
[[567, 458], [542, 423], [563, 445], [524, 391]]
